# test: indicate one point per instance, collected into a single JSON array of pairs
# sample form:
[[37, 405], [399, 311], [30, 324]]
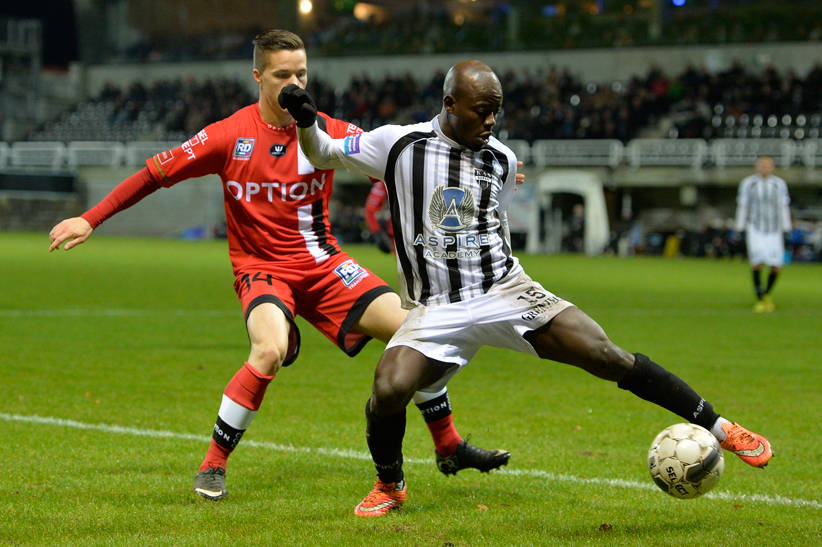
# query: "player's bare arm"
[[73, 231]]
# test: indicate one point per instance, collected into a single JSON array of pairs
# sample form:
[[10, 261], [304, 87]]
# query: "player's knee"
[[392, 391], [267, 357]]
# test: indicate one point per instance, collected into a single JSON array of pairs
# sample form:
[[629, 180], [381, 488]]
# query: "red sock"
[[445, 435], [217, 456], [246, 389]]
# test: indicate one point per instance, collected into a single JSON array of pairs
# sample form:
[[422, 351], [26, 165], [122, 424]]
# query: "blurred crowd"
[[743, 104], [540, 104], [538, 26], [178, 108], [555, 105]]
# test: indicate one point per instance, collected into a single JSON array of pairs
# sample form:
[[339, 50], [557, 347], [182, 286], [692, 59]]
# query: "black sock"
[[384, 438], [771, 281], [757, 284], [651, 382], [435, 409]]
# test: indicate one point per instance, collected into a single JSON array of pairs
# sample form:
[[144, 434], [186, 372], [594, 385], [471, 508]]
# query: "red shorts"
[[332, 296]]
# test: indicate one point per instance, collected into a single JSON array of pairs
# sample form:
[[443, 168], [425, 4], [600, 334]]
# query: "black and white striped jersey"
[[446, 204], [762, 205]]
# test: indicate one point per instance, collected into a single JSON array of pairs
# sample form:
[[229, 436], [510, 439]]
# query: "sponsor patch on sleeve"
[[165, 157], [243, 149], [352, 144], [350, 273]]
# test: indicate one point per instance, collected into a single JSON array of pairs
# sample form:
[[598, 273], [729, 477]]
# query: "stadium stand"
[[550, 117], [486, 27], [695, 124]]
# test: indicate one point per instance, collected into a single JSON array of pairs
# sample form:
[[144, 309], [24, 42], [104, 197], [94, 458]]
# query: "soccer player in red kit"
[[285, 260], [381, 232]]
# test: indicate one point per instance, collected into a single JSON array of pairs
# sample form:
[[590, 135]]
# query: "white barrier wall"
[[591, 65], [168, 212]]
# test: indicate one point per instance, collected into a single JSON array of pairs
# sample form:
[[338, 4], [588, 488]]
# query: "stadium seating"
[[552, 106], [407, 31], [721, 120]]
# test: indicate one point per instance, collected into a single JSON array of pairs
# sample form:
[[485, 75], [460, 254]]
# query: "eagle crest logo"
[[451, 209]]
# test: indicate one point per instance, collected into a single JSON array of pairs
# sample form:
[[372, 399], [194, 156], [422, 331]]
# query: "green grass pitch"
[[114, 355]]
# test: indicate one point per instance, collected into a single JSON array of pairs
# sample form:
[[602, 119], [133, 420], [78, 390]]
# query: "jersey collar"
[[274, 128], [435, 124]]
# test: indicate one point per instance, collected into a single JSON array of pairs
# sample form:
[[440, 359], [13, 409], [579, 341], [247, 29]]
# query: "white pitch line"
[[622, 312], [621, 483], [357, 455], [697, 312], [116, 313]]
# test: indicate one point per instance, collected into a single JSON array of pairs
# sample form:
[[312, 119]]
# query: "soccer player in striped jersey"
[[285, 260], [763, 213], [449, 183]]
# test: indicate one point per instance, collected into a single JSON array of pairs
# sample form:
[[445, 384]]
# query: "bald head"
[[470, 75], [470, 105]]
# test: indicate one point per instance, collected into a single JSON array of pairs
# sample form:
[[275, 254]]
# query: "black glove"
[[299, 104], [383, 241]]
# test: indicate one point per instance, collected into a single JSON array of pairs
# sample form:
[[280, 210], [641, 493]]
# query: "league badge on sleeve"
[[352, 144], [243, 149]]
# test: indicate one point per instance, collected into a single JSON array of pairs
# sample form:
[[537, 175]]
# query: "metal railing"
[[694, 153]]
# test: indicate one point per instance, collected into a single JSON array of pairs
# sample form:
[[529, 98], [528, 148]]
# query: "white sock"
[[422, 396], [235, 415], [717, 430]]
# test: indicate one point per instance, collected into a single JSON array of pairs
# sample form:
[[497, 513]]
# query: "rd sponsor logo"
[[243, 149]]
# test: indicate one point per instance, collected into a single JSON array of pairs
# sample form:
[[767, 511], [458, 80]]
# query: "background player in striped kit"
[[285, 260], [449, 183], [763, 214]]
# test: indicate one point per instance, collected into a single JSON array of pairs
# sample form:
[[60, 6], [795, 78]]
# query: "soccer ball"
[[685, 461]]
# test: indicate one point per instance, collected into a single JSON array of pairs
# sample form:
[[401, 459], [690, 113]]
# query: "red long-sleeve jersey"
[[276, 202]]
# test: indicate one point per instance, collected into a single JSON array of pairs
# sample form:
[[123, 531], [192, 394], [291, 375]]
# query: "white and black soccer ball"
[[685, 460]]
